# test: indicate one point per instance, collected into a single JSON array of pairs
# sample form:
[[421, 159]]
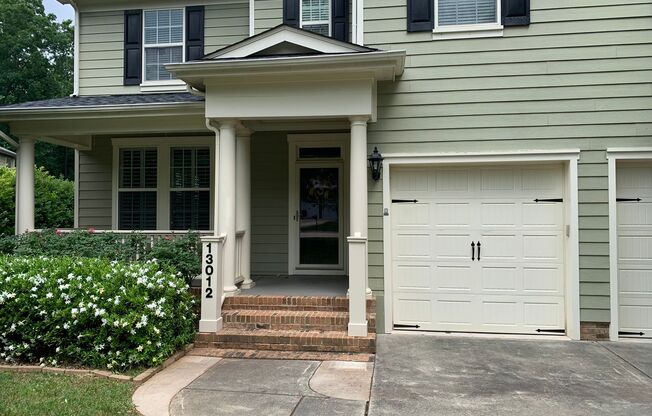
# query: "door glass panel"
[[319, 233]]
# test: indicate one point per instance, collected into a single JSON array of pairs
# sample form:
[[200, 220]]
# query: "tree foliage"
[[36, 53]]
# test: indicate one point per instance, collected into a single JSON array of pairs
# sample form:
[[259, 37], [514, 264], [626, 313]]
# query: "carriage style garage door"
[[634, 202], [478, 249]]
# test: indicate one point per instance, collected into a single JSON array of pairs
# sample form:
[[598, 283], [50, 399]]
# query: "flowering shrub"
[[91, 312], [178, 254]]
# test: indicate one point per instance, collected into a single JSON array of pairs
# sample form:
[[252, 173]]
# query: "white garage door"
[[473, 251], [634, 193]]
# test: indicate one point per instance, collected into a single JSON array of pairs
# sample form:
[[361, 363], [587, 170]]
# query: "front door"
[[317, 204]]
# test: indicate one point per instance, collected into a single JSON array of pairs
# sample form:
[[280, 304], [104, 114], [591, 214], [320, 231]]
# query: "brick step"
[[290, 320], [299, 303], [283, 355], [287, 340]]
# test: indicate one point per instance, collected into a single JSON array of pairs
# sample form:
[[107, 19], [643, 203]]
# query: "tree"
[[36, 53]]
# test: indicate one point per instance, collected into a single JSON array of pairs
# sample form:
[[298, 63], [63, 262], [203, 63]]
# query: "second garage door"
[[478, 249]]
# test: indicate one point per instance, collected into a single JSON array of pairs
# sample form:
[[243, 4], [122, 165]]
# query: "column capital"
[[243, 132], [222, 122], [27, 140], [359, 120]]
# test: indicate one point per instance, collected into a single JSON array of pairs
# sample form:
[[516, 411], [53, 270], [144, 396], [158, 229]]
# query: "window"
[[466, 12], [316, 16], [190, 181], [164, 39], [137, 189]]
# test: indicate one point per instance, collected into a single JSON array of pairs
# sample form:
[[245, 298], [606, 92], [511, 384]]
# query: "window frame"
[[329, 22], [163, 83], [208, 189], [123, 190], [164, 188], [493, 29]]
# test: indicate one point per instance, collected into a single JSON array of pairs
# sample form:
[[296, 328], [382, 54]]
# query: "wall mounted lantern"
[[376, 164]]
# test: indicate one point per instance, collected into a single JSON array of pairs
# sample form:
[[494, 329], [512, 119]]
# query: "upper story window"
[[451, 13], [164, 42], [316, 16]]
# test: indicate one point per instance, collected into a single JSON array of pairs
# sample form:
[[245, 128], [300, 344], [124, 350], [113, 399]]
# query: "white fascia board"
[[114, 5], [385, 65]]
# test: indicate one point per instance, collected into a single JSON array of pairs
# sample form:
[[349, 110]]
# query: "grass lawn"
[[37, 394]]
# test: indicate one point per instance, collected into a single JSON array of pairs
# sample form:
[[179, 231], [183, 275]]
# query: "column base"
[[358, 330], [206, 325], [248, 285], [230, 291]]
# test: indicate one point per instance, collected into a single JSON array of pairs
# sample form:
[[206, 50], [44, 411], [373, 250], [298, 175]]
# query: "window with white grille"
[[466, 12], [316, 16], [164, 41]]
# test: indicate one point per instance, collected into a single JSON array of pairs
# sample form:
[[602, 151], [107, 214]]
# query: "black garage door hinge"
[[400, 201], [628, 200], [549, 200], [406, 326], [640, 334], [554, 331]]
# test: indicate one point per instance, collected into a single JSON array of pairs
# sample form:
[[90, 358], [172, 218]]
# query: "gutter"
[[73, 3]]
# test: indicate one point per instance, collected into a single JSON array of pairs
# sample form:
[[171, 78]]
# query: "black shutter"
[[340, 20], [291, 12], [194, 33], [420, 15], [515, 12], [133, 65]]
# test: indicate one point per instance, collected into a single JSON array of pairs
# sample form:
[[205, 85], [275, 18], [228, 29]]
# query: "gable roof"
[[107, 101], [284, 40]]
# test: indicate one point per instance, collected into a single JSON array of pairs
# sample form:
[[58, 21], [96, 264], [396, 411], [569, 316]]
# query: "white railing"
[[239, 239]]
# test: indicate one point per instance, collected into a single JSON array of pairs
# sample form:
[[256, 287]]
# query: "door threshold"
[[483, 335]]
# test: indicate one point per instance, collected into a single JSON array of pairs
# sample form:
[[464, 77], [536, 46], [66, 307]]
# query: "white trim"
[[613, 156], [358, 22], [77, 43], [467, 31], [570, 158], [76, 205], [252, 18], [163, 86], [163, 146], [295, 141]]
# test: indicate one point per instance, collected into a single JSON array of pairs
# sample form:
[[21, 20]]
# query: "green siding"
[[95, 185], [580, 76], [102, 44], [269, 204]]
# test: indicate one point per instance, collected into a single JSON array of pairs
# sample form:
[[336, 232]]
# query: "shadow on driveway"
[[439, 375]]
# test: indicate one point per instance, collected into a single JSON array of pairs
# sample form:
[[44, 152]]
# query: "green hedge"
[[54, 200], [91, 312], [178, 254]]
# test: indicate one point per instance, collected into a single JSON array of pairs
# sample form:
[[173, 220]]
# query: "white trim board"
[[613, 156], [569, 157]]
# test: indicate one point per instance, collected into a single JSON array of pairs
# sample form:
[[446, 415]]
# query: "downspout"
[[195, 91], [75, 91]]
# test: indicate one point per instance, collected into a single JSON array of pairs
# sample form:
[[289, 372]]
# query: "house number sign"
[[208, 269]]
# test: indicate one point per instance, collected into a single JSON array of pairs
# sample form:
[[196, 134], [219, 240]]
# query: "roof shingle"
[[107, 101]]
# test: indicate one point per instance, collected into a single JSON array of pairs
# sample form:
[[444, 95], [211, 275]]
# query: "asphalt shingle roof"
[[108, 100]]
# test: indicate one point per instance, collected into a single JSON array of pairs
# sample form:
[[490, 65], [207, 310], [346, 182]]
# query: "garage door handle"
[[478, 251], [472, 250]]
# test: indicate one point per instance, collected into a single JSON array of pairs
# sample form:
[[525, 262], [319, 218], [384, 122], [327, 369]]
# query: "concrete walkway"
[[197, 387], [425, 374]]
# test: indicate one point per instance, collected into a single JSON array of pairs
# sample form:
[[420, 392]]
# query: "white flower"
[[49, 295], [140, 348], [66, 325]]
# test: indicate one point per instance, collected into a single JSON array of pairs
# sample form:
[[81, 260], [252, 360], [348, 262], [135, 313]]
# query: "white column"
[[25, 186], [227, 203], [211, 285], [358, 221], [243, 203]]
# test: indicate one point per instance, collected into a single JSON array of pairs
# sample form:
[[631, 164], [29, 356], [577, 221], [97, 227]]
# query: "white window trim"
[[163, 146], [569, 157], [328, 22], [613, 156], [164, 85], [481, 30]]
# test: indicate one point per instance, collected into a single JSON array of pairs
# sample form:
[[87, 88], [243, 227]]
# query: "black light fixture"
[[376, 164]]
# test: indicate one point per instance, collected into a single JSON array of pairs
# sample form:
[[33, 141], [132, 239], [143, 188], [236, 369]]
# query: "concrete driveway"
[[439, 375]]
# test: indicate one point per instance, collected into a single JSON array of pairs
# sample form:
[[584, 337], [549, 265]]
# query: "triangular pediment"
[[285, 40]]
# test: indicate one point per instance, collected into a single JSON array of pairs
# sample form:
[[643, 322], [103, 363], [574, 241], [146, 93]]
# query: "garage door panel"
[[516, 287], [634, 221], [412, 215]]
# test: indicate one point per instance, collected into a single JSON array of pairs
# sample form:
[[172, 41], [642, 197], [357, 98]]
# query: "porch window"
[[466, 12], [137, 189], [164, 37], [190, 181], [316, 16]]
